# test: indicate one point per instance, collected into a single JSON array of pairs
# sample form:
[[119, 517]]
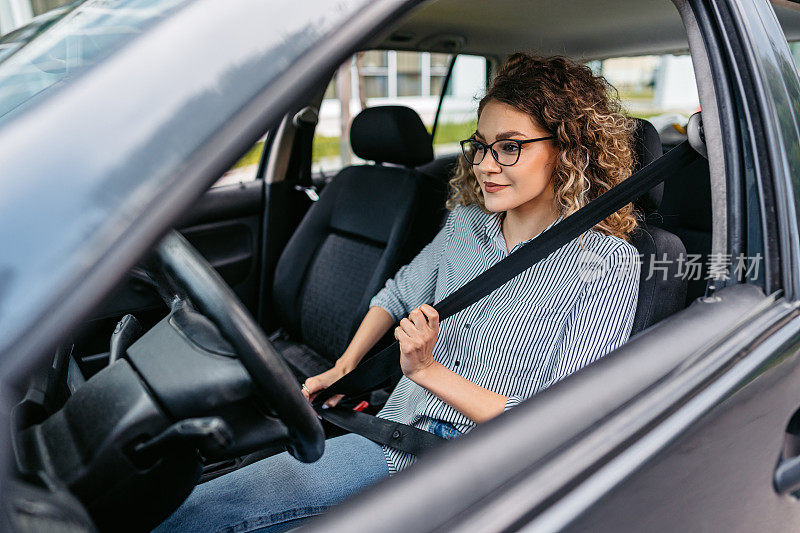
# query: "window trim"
[[735, 49]]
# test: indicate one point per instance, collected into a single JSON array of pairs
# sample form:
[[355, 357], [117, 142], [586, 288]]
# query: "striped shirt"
[[559, 315]]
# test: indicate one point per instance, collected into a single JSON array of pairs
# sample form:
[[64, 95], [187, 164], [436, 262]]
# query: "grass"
[[252, 157], [644, 114], [645, 93], [454, 132], [325, 147]]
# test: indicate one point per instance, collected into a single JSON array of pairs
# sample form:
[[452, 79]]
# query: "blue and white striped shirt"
[[559, 315]]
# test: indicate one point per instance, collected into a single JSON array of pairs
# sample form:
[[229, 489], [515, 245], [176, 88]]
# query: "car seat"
[[350, 241], [661, 291], [685, 210]]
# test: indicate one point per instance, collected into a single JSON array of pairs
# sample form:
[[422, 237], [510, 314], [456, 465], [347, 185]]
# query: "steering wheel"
[[181, 273]]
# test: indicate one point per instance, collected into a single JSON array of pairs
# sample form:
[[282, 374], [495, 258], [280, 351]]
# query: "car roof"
[[586, 29]]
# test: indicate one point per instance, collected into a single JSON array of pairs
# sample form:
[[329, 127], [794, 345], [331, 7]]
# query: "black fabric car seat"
[[662, 291], [685, 210], [350, 241]]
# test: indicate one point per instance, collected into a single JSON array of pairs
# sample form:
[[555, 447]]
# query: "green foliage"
[[454, 132], [252, 157], [324, 147]]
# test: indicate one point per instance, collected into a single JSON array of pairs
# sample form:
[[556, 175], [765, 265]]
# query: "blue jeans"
[[280, 493]]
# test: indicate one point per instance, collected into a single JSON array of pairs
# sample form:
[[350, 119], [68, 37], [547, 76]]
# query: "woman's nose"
[[488, 165]]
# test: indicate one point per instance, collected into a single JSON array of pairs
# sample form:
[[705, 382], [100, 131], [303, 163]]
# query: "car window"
[[459, 118], [246, 169], [390, 77], [19, 37], [35, 61], [659, 88]]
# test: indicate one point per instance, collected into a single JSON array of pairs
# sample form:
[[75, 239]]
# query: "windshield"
[[13, 41], [32, 60]]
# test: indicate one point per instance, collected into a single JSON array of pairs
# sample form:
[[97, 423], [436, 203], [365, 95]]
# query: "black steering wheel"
[[179, 271]]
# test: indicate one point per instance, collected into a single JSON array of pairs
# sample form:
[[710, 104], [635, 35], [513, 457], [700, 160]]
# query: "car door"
[[693, 424], [726, 460]]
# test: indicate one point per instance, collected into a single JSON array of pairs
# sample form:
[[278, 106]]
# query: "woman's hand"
[[315, 384], [417, 336]]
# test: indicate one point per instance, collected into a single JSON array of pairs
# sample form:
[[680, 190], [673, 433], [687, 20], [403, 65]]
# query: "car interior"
[[305, 252]]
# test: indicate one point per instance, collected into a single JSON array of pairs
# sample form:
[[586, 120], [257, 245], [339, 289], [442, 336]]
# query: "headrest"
[[391, 134], [647, 148]]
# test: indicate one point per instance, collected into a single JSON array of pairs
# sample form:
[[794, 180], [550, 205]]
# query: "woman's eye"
[[509, 147]]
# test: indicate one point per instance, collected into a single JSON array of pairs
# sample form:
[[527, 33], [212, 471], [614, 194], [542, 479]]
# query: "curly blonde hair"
[[593, 135]]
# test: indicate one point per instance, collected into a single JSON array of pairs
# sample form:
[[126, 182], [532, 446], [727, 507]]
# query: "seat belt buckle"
[[361, 406]]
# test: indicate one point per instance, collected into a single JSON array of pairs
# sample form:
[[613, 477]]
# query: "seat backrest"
[[661, 290], [685, 210], [351, 240]]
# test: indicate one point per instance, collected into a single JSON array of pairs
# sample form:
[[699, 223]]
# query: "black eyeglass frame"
[[488, 148]]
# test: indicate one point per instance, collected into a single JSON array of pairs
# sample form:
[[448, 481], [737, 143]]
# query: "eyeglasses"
[[507, 154]]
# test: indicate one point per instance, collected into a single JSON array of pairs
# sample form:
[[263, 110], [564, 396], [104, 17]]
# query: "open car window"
[[391, 77], [659, 88], [246, 169]]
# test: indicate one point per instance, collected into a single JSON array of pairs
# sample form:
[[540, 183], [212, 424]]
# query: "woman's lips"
[[493, 187]]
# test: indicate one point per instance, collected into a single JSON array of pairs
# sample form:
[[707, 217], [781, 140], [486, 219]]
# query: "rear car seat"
[[351, 240]]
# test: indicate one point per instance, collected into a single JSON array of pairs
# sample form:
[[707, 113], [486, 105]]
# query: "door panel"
[[719, 475], [225, 226], [510, 471]]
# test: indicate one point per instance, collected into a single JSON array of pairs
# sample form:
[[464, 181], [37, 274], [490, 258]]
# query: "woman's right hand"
[[315, 384]]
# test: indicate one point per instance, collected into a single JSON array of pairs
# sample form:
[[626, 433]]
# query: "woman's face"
[[526, 185]]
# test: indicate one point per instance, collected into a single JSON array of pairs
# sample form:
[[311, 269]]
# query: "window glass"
[[376, 86], [74, 42], [439, 63], [246, 169], [373, 68], [459, 116], [412, 79], [661, 89], [375, 58], [409, 74], [795, 49]]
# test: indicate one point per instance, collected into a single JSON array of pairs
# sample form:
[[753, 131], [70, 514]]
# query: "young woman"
[[550, 138]]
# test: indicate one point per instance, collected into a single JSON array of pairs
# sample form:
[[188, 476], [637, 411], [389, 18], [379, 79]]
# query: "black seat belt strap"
[[374, 369], [400, 436]]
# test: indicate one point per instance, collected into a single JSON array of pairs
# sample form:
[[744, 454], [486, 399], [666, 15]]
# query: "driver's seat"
[[350, 241]]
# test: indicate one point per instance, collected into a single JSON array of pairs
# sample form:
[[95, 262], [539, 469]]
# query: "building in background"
[[406, 78]]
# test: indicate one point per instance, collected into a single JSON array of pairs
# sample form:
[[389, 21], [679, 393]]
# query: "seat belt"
[[305, 121], [375, 369]]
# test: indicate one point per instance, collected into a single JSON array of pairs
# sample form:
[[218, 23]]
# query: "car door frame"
[[478, 485]]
